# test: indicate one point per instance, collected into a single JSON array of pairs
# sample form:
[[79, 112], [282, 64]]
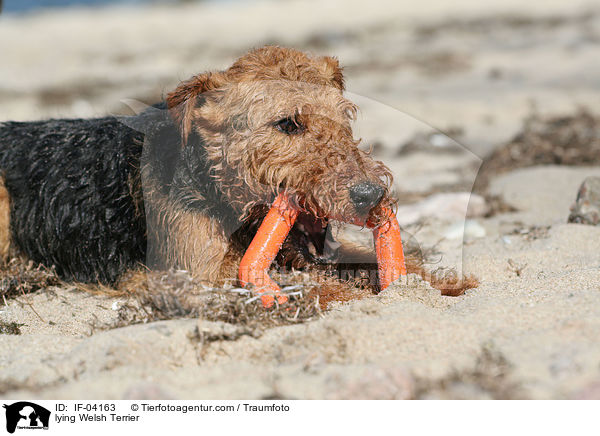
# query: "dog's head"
[[277, 121]]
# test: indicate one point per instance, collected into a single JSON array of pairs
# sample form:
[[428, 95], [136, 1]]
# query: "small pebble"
[[586, 209]]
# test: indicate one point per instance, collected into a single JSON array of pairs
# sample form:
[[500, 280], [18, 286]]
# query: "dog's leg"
[[184, 239], [4, 221], [197, 243]]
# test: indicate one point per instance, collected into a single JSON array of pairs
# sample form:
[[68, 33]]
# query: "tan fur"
[[4, 221], [183, 239]]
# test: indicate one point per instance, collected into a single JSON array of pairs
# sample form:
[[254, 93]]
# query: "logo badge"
[[26, 415]]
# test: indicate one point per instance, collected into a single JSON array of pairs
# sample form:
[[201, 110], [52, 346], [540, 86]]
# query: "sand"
[[530, 330]]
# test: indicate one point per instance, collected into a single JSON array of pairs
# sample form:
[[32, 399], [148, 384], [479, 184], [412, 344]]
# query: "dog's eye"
[[289, 126]]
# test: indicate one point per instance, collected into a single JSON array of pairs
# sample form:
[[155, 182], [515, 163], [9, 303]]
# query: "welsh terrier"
[[187, 183]]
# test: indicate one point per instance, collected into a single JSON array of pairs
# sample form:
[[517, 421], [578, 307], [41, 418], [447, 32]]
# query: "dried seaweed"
[[19, 276], [566, 140], [10, 328]]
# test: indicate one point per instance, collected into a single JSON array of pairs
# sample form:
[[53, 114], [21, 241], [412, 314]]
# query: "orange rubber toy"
[[389, 251], [254, 267], [274, 229]]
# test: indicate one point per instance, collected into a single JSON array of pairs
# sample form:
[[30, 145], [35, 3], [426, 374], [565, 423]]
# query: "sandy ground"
[[530, 330]]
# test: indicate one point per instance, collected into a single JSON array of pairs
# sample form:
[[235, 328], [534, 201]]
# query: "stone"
[[586, 209]]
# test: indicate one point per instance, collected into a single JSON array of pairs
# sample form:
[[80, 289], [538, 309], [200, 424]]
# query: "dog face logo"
[[26, 415]]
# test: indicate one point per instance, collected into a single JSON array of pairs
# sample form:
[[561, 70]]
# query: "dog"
[[186, 183]]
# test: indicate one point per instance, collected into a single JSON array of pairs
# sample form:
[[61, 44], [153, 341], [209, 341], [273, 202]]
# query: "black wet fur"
[[69, 185]]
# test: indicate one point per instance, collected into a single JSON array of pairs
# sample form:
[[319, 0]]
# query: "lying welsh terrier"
[[188, 183]]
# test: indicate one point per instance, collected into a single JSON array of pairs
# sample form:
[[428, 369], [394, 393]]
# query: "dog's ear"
[[186, 97], [332, 70]]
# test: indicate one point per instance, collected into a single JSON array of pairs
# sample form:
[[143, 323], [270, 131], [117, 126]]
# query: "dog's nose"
[[365, 196]]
